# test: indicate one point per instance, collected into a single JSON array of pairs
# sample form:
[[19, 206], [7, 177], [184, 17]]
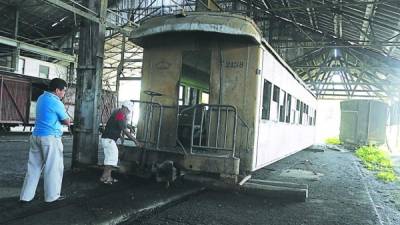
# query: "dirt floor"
[[13, 159], [340, 192]]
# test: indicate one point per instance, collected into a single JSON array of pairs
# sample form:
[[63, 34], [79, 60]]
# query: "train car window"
[[205, 97], [315, 116], [293, 113], [282, 106], [275, 96], [195, 74], [266, 102], [301, 112], [289, 107], [194, 96], [44, 71], [21, 66], [190, 95], [186, 95], [305, 114], [275, 104], [181, 94]]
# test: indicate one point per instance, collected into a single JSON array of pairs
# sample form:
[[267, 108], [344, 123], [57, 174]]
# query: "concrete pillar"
[[15, 51], [89, 86]]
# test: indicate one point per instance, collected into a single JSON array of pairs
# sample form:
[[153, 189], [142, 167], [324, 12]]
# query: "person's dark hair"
[[57, 83]]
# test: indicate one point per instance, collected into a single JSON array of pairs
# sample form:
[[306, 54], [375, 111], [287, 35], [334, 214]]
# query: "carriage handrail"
[[187, 109], [149, 118], [248, 131], [224, 108]]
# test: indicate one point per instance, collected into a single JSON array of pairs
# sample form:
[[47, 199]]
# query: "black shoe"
[[23, 202], [62, 197]]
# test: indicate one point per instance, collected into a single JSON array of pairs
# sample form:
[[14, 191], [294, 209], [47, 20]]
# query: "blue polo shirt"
[[50, 111]]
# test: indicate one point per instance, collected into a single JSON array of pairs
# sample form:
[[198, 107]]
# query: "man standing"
[[116, 124], [46, 148]]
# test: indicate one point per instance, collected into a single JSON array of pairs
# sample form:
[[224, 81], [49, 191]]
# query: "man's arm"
[[66, 122], [130, 136], [62, 114]]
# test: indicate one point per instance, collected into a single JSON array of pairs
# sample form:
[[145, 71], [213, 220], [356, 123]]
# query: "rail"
[[247, 131], [152, 119], [213, 129]]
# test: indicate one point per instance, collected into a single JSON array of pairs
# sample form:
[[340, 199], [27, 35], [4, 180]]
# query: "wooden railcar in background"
[[19, 93]]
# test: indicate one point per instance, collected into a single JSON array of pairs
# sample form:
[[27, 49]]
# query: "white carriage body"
[[241, 66]]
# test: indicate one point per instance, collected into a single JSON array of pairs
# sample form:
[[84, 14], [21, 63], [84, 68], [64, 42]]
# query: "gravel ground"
[[13, 158], [340, 192]]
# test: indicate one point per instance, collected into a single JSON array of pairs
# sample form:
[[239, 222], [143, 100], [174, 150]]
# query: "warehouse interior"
[[342, 50]]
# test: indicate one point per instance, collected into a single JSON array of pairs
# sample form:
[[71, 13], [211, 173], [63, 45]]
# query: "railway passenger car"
[[19, 93], [217, 98]]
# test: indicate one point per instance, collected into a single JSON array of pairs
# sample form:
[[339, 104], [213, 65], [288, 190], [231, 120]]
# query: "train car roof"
[[279, 58], [210, 22], [17, 76], [216, 22]]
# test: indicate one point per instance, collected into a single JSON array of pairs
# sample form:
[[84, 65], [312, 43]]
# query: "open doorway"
[[194, 84], [194, 88]]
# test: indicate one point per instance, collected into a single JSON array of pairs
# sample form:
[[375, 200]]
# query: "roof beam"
[[366, 25], [345, 95], [327, 5], [90, 16], [359, 91], [321, 45], [338, 21], [37, 49]]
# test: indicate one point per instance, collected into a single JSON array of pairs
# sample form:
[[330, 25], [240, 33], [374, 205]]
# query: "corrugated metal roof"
[[365, 34], [356, 41]]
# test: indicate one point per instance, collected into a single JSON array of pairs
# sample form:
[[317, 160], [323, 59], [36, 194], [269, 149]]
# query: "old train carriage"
[[217, 98]]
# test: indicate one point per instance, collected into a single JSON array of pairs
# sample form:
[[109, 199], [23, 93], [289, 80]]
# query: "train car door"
[[194, 85]]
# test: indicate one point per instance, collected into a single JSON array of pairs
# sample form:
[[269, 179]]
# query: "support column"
[[250, 8], [207, 5], [121, 65], [16, 50], [71, 67], [88, 90]]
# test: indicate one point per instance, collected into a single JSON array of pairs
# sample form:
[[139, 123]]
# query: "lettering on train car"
[[163, 65], [234, 64]]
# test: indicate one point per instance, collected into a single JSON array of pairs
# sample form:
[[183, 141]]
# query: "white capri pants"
[[110, 152]]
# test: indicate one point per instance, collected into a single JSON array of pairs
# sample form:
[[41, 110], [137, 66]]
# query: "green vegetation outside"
[[375, 159], [332, 141]]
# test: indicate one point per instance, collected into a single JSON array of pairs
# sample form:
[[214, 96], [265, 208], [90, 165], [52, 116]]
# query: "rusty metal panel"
[[235, 82], [161, 71], [14, 100], [107, 105], [363, 122]]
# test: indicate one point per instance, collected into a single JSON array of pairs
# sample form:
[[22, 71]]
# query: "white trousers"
[[45, 154], [110, 152]]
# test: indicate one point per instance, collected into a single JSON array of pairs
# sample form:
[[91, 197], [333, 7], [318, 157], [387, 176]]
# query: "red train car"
[[19, 93]]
